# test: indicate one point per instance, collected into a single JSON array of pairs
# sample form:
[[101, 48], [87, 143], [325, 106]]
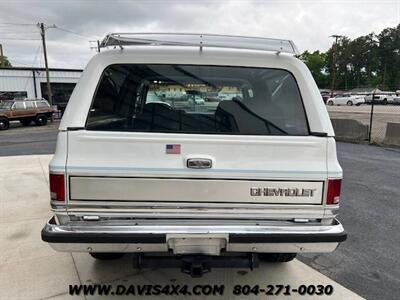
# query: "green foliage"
[[4, 62], [316, 62], [372, 60]]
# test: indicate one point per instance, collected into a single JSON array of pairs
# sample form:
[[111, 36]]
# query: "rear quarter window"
[[41, 104], [29, 105], [197, 99], [19, 105]]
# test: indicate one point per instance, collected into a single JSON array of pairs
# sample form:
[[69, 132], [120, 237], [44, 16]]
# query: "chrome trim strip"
[[185, 171]]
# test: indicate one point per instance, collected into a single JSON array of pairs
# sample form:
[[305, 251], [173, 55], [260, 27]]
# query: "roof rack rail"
[[199, 40]]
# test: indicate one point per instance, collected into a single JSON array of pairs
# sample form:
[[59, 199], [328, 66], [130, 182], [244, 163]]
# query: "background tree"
[[388, 56], [4, 62], [367, 61], [316, 62]]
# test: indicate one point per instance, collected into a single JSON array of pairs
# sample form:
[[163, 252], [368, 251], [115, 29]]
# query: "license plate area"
[[207, 244]]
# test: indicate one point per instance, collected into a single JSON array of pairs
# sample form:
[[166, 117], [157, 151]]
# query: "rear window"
[[197, 99]]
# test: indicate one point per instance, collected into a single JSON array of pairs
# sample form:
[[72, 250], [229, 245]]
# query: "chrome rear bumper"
[[107, 236]]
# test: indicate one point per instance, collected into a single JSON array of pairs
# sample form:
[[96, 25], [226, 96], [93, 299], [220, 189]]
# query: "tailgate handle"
[[199, 163]]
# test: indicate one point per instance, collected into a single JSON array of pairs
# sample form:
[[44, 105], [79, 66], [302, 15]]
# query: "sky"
[[309, 23]]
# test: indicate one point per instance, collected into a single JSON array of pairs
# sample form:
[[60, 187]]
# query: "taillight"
[[57, 190], [333, 194]]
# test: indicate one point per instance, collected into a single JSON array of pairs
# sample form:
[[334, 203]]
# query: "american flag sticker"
[[173, 149]]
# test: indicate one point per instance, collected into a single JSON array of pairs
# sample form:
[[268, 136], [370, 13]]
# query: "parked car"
[[346, 99], [325, 95], [197, 100], [26, 111], [396, 100], [195, 97], [251, 177], [381, 98]]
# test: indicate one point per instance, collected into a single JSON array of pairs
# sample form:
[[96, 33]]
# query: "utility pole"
[[43, 34], [1, 56], [336, 37], [97, 47]]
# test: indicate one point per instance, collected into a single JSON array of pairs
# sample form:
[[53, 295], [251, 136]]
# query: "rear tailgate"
[[125, 169]]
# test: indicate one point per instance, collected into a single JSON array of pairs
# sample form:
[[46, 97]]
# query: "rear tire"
[[41, 120], [330, 102], [277, 257], [106, 255], [349, 103], [4, 124], [385, 102]]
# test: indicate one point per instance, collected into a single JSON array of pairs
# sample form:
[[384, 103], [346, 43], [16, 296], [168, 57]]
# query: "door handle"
[[199, 163]]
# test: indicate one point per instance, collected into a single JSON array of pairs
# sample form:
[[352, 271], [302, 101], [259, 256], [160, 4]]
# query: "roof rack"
[[199, 40]]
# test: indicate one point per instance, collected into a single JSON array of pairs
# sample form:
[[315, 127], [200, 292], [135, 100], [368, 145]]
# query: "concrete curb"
[[392, 136], [350, 130]]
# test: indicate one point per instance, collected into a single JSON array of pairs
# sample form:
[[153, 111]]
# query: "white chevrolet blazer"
[[143, 166]]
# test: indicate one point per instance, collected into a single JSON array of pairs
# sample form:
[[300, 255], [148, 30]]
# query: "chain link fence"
[[377, 123]]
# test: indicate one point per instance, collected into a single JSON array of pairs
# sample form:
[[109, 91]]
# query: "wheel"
[[330, 102], [385, 102], [26, 122], [276, 257], [349, 103], [106, 255], [41, 120], [4, 124]]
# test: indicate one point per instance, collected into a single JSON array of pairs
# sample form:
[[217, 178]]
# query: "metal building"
[[30, 83]]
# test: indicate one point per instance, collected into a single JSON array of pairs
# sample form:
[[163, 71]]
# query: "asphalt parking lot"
[[21, 140], [368, 263]]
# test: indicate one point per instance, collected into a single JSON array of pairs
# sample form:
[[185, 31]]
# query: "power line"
[[33, 64], [73, 32], [18, 39], [16, 24], [19, 62], [36, 56], [16, 32]]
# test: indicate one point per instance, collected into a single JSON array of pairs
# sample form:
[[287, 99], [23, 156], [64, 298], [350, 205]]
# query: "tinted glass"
[[9, 95], [6, 104], [198, 99], [29, 105], [41, 104]]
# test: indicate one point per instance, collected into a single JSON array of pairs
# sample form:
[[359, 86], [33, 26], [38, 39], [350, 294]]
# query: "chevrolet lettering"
[[291, 192]]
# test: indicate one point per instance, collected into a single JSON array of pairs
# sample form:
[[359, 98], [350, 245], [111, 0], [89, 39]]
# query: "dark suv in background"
[[26, 111]]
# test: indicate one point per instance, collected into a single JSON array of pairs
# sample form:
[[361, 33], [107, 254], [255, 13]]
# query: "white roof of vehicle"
[[81, 98]]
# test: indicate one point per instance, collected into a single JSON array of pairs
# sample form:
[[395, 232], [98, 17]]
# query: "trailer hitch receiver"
[[196, 264]]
